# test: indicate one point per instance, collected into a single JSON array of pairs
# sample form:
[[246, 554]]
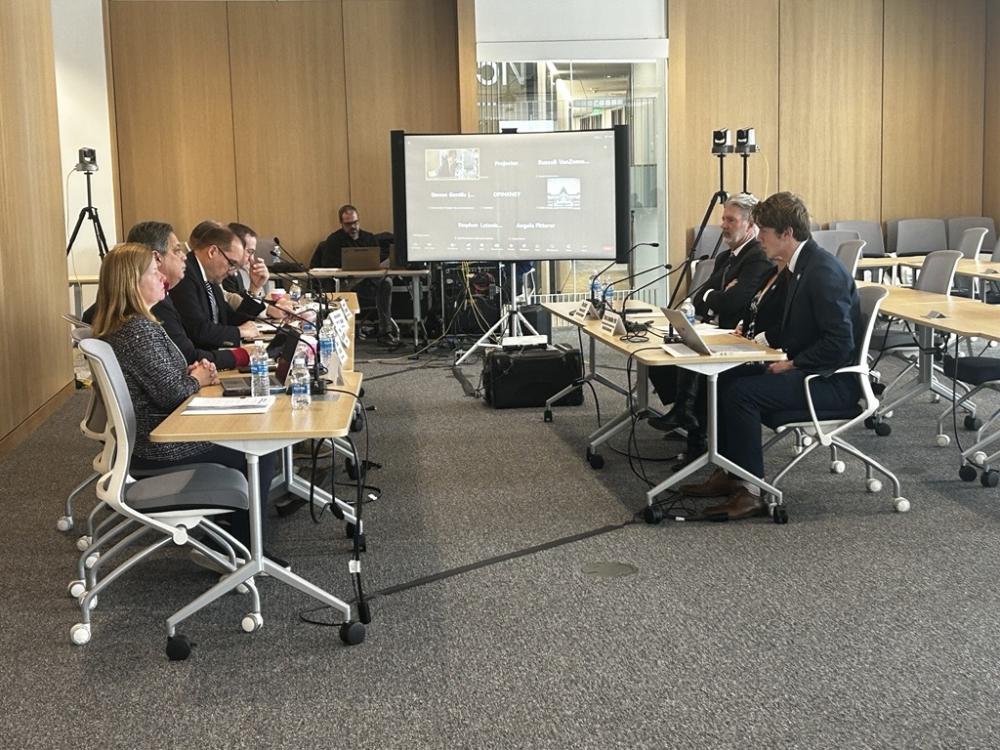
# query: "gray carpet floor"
[[851, 627]]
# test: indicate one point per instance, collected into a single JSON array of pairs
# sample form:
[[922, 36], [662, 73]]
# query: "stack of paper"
[[229, 405]]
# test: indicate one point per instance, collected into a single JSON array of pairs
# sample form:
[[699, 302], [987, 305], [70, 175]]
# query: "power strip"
[[525, 342]]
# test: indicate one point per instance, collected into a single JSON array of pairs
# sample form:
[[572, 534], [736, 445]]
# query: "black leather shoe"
[[290, 507], [741, 504], [667, 423]]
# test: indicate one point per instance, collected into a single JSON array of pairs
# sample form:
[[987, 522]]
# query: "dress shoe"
[[668, 422], [289, 507], [741, 504], [717, 485]]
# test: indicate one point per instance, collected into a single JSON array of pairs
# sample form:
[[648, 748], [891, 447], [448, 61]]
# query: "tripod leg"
[[76, 229], [102, 242]]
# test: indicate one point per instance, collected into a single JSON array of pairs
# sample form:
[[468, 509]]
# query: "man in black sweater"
[[329, 254]]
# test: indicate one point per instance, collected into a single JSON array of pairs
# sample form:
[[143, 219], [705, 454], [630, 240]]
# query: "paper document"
[[229, 405]]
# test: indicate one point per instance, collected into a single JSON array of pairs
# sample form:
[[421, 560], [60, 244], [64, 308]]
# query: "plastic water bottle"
[[326, 349], [260, 384], [301, 397], [295, 293], [687, 308]]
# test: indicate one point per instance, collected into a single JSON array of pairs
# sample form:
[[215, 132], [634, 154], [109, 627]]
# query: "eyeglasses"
[[232, 263]]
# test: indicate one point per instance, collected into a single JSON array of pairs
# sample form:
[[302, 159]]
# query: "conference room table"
[[329, 416], [415, 275], [650, 353]]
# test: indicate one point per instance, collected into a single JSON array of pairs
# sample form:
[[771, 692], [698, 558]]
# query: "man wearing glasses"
[[210, 322]]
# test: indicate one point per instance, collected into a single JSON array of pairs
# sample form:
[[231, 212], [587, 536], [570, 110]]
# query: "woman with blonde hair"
[[158, 377]]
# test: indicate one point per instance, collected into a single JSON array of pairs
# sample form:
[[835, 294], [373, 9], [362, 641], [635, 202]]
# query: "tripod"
[[508, 324], [89, 212]]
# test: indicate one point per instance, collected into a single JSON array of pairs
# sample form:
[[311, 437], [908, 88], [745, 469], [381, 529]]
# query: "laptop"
[[282, 350], [360, 259], [693, 342]]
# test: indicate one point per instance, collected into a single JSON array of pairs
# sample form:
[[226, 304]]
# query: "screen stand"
[[509, 324]]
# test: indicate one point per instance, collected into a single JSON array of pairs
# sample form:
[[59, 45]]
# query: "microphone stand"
[[599, 303], [318, 386], [314, 283], [624, 311]]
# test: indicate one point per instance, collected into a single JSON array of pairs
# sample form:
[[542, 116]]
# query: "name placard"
[[585, 311], [612, 324]]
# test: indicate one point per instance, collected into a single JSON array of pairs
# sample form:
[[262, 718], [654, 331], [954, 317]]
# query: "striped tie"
[[211, 301]]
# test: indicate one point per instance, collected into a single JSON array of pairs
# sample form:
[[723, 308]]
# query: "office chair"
[[917, 236], [869, 231], [170, 505], [849, 255], [958, 224], [828, 428], [970, 243], [711, 239], [831, 239], [700, 273], [936, 275]]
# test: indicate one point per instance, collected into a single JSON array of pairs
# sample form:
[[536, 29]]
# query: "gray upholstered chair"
[[831, 239], [168, 506], [702, 270], [849, 254], [828, 428], [869, 231], [957, 225], [917, 236], [711, 240]]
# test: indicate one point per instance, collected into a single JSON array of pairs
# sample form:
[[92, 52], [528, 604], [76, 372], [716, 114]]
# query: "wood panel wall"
[[401, 62], [38, 364], [881, 105], [830, 96], [173, 111], [275, 114], [290, 119], [719, 76], [932, 128], [991, 156]]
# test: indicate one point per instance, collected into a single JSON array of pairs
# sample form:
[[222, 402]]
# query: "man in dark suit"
[[210, 322], [738, 272], [821, 331]]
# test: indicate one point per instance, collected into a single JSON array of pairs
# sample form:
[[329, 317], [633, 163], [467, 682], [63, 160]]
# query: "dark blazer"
[[190, 298], [328, 253], [167, 314], [770, 312], [821, 325], [749, 268]]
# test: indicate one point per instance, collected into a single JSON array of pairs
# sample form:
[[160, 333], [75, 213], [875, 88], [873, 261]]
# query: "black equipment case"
[[513, 379]]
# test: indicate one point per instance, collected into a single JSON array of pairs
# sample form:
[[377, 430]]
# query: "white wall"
[[571, 30], [84, 120]]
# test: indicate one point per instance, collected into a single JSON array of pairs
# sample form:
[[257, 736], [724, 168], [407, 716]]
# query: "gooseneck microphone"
[[599, 303]]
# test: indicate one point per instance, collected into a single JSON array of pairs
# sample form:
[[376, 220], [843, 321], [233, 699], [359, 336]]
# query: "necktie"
[[211, 301]]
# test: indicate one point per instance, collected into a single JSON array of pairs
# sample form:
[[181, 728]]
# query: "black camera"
[[746, 141], [88, 160], [722, 142]]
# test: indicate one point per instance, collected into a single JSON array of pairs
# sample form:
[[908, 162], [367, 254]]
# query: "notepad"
[[201, 405]]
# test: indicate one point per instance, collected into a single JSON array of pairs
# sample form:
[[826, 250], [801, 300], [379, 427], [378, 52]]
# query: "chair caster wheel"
[[65, 523], [178, 647], [807, 440], [972, 423], [979, 458], [837, 467], [82, 543], [596, 460], [91, 560], [888, 414], [870, 423], [352, 633], [357, 423], [652, 515], [251, 622], [79, 634], [780, 514], [990, 478], [967, 473], [547, 415], [883, 429], [901, 504], [942, 440], [797, 449], [76, 589], [935, 398], [350, 468], [873, 485]]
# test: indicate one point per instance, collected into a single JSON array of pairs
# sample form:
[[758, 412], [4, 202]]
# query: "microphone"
[[599, 303], [318, 385], [314, 282], [631, 327]]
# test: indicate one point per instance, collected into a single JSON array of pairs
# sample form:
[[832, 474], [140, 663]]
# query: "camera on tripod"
[[88, 161]]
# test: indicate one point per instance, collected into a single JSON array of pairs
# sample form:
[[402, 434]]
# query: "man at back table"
[[821, 331], [208, 319], [329, 254]]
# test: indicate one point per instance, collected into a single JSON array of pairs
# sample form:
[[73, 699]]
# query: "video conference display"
[[512, 197]]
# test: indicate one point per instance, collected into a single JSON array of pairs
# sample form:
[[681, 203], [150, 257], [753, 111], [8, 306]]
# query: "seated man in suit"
[[820, 333], [329, 253], [738, 273], [208, 319]]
